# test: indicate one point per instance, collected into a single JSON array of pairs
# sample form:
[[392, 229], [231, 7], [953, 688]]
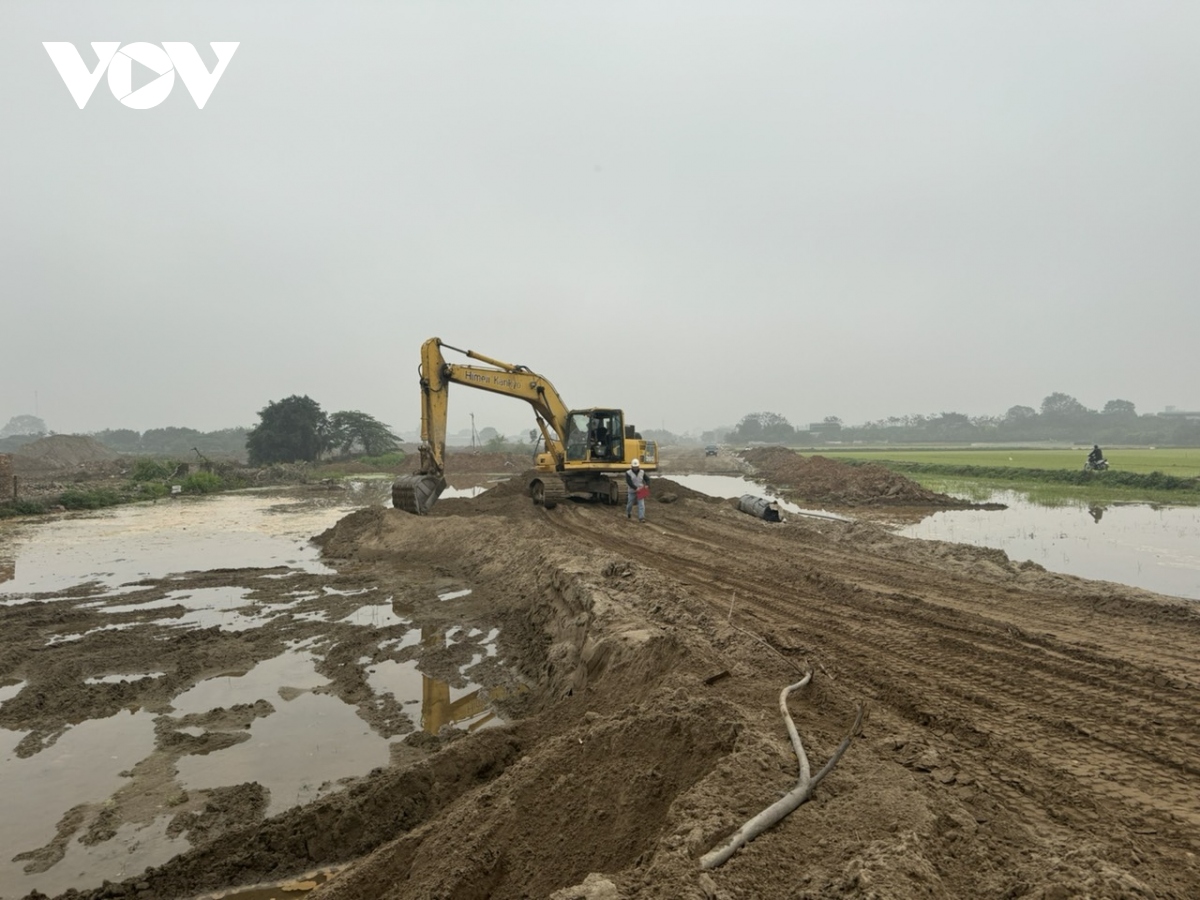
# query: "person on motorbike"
[[1096, 457]]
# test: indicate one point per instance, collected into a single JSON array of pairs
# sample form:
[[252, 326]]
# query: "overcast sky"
[[690, 210]]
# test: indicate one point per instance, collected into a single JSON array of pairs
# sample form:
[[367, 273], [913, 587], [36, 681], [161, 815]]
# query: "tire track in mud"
[[1104, 723]]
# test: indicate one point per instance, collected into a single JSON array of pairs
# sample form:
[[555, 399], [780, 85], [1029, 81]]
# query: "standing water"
[[1151, 547], [181, 648]]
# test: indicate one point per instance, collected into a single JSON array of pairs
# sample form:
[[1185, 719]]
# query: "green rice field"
[[1180, 461], [1046, 476]]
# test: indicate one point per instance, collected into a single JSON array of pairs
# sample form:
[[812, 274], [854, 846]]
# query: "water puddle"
[[1156, 548], [220, 607], [300, 740], [380, 615], [732, 487], [295, 670], [9, 691], [129, 852], [410, 639], [466, 492], [79, 636], [298, 753], [124, 544], [82, 766], [312, 740], [117, 679]]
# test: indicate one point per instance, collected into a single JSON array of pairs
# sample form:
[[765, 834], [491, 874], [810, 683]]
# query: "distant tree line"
[[1061, 417], [177, 443]]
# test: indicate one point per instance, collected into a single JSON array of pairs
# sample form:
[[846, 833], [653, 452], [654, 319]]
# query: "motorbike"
[[1098, 465]]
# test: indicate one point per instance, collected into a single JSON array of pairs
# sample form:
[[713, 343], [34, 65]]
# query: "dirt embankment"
[[817, 479], [1026, 734], [470, 462], [60, 452]]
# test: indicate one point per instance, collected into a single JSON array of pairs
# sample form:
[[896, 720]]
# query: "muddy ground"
[[1026, 734]]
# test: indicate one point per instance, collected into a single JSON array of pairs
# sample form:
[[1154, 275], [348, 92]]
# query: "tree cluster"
[[19, 426], [767, 427], [296, 429]]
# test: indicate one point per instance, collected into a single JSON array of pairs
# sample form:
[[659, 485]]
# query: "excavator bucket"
[[417, 493]]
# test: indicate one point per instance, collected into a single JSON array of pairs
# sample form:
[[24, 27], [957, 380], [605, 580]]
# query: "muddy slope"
[[1026, 734], [818, 479]]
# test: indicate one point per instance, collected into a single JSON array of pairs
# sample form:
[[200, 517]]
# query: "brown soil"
[[61, 451], [468, 462], [1026, 734], [817, 479]]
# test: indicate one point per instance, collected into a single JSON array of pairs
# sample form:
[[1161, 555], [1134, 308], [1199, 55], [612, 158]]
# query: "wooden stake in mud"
[[790, 801]]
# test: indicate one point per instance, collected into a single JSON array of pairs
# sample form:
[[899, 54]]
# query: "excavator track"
[[547, 491]]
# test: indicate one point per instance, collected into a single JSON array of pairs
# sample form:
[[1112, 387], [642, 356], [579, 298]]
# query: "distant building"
[[1172, 413], [830, 432]]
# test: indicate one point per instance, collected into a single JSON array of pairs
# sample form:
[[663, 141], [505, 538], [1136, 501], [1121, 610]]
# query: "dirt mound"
[[817, 479], [62, 451], [461, 462]]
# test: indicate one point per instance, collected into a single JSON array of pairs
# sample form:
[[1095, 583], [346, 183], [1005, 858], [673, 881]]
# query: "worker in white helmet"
[[638, 483]]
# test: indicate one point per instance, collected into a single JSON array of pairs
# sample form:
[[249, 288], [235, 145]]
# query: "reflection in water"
[[439, 706], [1156, 548], [438, 710], [278, 890]]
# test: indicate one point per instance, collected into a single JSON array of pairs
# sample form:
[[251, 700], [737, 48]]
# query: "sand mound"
[[823, 480], [62, 451]]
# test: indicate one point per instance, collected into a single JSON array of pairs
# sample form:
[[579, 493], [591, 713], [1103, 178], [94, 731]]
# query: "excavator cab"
[[595, 435], [606, 436]]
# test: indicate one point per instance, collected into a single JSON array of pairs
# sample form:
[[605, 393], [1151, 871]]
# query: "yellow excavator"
[[584, 448]]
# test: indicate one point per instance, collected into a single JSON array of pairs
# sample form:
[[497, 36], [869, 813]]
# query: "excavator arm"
[[417, 493]]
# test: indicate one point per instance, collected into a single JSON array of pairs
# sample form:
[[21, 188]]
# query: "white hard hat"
[[634, 463]]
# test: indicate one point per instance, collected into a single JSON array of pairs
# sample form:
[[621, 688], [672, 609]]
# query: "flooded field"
[[1152, 547], [193, 665], [1157, 548]]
